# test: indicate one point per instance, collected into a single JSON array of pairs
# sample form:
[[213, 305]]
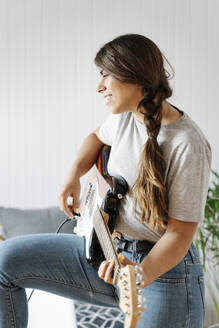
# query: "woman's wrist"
[[146, 280]]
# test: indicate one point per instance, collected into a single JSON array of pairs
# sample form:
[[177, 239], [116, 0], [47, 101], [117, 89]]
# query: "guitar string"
[[100, 229], [105, 239]]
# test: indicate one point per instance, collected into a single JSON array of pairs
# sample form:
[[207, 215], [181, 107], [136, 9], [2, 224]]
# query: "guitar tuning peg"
[[139, 275], [138, 278], [139, 288], [141, 299], [138, 269], [142, 309]]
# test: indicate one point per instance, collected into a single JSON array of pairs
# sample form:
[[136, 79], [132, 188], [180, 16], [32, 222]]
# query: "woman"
[[166, 159]]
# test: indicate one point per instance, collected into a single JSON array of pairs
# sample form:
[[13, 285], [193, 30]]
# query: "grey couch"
[[17, 222]]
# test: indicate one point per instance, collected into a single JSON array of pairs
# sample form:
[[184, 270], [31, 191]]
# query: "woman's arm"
[[166, 253], [85, 159], [169, 250], [87, 155]]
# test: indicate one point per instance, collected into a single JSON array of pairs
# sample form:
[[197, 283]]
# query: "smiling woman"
[[120, 96], [165, 159], [139, 84]]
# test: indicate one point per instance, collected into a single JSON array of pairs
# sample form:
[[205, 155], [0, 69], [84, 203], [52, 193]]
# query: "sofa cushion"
[[15, 221]]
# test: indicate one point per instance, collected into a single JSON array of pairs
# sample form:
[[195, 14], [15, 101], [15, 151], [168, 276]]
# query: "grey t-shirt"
[[187, 154]]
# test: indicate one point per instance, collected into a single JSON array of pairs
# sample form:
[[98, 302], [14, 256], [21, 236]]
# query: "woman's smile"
[[107, 98], [121, 96]]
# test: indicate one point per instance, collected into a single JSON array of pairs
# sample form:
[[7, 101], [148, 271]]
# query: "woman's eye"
[[102, 73]]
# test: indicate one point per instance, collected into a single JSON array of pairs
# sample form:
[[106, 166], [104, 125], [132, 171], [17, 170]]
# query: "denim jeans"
[[175, 299], [56, 263]]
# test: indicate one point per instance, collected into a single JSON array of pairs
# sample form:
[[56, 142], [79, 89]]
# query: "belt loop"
[[191, 253], [134, 252]]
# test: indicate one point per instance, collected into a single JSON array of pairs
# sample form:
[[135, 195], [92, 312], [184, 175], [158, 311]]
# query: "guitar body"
[[96, 190], [103, 191]]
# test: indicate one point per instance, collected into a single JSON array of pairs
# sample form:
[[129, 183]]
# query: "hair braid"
[[149, 188]]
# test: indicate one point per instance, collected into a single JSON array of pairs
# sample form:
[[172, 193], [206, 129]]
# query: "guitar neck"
[[124, 277], [104, 236]]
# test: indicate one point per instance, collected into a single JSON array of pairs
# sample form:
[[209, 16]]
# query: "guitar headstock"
[[131, 299]]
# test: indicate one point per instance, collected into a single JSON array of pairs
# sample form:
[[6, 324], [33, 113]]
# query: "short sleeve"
[[187, 186], [108, 129]]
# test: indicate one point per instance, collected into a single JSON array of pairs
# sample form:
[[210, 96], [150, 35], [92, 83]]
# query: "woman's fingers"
[[64, 206], [109, 273], [68, 204], [105, 271], [69, 197], [106, 268], [102, 269], [67, 209]]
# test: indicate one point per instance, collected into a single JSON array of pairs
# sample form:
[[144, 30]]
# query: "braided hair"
[[134, 58]]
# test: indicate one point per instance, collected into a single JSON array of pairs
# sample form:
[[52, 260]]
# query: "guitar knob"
[[119, 196]]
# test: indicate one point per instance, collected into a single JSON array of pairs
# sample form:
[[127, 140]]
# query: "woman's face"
[[119, 96]]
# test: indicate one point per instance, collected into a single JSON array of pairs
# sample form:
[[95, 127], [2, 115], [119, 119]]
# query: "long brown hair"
[[136, 59]]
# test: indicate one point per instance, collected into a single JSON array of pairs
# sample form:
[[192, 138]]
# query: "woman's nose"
[[100, 87]]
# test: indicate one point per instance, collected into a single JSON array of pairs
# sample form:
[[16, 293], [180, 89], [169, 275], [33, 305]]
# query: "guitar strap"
[[119, 187], [110, 204]]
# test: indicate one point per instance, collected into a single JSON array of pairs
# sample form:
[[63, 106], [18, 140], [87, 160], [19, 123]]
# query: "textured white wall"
[[48, 98]]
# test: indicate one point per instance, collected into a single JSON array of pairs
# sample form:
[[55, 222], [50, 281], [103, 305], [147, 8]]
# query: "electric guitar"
[[94, 223]]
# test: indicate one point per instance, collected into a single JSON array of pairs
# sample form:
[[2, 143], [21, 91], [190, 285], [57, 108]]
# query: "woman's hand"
[[70, 189], [106, 268], [105, 271]]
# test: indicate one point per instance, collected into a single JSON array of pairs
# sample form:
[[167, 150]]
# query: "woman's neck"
[[169, 114]]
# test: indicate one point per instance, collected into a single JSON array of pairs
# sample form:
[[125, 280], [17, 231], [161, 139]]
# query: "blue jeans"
[[175, 299], [56, 263]]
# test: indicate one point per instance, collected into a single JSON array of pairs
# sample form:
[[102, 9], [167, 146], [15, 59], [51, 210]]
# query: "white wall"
[[48, 98]]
